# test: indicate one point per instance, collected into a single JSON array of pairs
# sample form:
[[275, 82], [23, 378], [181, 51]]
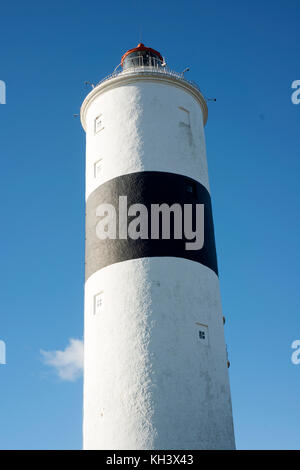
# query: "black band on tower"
[[147, 188]]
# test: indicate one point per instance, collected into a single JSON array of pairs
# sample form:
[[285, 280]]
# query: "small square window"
[[202, 333], [98, 303], [192, 189], [98, 124], [184, 116], [98, 168]]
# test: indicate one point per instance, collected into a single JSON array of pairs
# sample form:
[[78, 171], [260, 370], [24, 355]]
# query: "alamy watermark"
[[176, 221], [295, 97], [296, 354], [2, 92], [2, 352]]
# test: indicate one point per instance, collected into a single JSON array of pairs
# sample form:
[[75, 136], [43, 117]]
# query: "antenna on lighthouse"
[[89, 83], [117, 67], [187, 69]]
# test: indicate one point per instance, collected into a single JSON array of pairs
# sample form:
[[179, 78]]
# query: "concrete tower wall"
[[155, 373]]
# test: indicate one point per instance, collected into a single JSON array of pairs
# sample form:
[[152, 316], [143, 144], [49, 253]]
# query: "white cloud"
[[68, 363]]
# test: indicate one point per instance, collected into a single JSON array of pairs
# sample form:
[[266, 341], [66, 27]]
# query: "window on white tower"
[[98, 126], [202, 333], [184, 116], [98, 168], [98, 303]]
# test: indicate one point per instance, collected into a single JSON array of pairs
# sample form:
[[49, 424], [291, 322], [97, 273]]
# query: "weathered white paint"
[[149, 380], [145, 129]]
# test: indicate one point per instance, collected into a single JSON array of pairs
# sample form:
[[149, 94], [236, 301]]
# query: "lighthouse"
[[155, 360]]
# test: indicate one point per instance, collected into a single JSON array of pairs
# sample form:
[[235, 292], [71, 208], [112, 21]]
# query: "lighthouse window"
[[98, 168], [202, 333], [98, 124], [185, 116], [98, 303], [191, 188]]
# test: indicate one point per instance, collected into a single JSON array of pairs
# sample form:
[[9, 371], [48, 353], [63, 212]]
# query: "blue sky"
[[246, 54]]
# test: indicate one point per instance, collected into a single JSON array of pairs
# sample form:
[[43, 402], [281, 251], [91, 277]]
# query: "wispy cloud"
[[68, 363]]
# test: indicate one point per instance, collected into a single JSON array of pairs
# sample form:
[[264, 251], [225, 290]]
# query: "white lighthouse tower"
[[155, 362]]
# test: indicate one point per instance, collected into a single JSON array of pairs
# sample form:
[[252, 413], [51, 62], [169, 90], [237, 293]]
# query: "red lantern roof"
[[141, 47]]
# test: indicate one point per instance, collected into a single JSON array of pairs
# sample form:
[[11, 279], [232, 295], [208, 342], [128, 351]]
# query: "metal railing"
[[147, 69]]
